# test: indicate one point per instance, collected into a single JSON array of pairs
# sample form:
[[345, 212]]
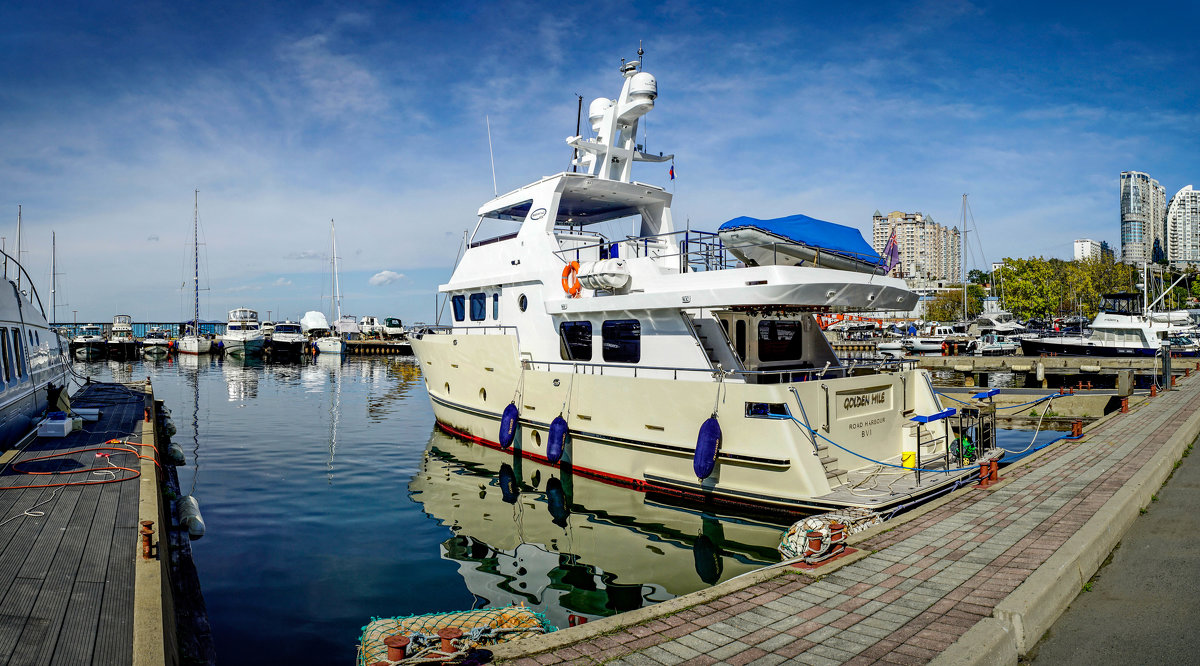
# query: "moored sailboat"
[[192, 341]]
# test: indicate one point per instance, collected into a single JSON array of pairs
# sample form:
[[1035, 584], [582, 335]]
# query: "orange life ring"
[[570, 279]]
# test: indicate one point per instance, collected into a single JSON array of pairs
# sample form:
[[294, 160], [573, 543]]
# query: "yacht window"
[[17, 352], [460, 307], [522, 302], [496, 306], [622, 340], [576, 339], [478, 307], [4, 353], [30, 336], [739, 338], [779, 341]]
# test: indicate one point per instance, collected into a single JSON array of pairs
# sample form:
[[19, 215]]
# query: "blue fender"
[[557, 440], [708, 443], [508, 425]]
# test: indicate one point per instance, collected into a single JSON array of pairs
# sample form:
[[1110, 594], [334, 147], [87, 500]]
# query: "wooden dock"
[[74, 585]]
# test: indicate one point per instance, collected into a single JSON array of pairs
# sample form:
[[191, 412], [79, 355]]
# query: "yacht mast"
[[196, 263], [962, 258], [53, 277], [337, 297], [18, 248]]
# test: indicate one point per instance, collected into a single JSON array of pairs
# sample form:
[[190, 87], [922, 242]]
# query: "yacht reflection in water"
[[572, 546], [241, 377]]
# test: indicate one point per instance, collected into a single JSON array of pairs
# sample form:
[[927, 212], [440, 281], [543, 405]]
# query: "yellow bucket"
[[908, 459]]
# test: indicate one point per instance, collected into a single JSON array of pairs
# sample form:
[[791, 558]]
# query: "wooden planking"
[[77, 637], [66, 578]]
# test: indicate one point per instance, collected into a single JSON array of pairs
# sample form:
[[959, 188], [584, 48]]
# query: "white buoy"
[[188, 509]]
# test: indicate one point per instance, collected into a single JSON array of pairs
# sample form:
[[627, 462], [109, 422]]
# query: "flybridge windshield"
[[1121, 304], [501, 224]]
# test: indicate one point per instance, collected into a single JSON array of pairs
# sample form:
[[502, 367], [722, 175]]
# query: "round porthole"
[[522, 302], [537, 438], [483, 395]]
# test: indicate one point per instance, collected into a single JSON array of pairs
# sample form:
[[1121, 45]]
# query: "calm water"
[[330, 498]]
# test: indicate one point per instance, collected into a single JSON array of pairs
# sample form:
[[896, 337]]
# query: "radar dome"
[[643, 84], [597, 108]]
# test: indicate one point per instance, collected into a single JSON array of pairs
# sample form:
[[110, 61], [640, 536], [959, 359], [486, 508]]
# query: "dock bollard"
[[1077, 428], [1124, 405], [1172, 381], [448, 635], [147, 532], [397, 647], [1153, 390], [984, 481], [993, 471]]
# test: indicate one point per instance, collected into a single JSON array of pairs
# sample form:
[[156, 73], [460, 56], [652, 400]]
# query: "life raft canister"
[[508, 425], [570, 279]]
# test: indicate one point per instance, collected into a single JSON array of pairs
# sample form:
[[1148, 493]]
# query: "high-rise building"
[[1183, 227], [928, 250], [1143, 218], [1086, 248]]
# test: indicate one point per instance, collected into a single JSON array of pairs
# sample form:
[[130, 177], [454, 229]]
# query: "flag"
[[672, 172], [891, 253]]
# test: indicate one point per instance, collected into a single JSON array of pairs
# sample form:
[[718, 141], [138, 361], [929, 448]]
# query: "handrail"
[[32, 289], [811, 372]]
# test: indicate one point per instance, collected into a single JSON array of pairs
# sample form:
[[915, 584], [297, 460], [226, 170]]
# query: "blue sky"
[[372, 114]]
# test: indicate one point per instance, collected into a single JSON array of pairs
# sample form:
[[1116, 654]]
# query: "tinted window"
[[460, 307], [496, 306], [478, 307], [622, 340], [4, 353], [17, 352], [779, 341], [576, 340]]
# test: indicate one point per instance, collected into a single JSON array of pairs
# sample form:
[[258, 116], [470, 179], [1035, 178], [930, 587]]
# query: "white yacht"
[[1122, 327], [370, 327], [393, 329], [288, 339], [334, 339], [192, 341], [652, 361], [156, 344], [315, 327], [121, 344], [242, 335], [90, 343]]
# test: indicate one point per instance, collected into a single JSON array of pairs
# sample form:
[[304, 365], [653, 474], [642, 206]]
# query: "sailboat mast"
[[337, 296], [18, 248], [53, 277], [962, 257], [196, 262]]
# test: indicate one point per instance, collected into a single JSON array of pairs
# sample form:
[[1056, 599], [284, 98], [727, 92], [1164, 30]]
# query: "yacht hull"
[[1080, 347], [236, 346], [192, 345], [641, 431]]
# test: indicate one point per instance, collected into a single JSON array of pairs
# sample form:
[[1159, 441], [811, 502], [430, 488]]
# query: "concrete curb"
[[1029, 612]]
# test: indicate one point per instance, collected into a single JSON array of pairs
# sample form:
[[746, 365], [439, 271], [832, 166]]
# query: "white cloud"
[[282, 282], [304, 254], [384, 277], [242, 288]]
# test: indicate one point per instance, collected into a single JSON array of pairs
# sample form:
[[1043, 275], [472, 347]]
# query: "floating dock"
[[976, 577], [85, 574], [378, 348]]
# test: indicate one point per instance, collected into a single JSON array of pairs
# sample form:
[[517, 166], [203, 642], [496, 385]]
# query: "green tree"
[[976, 276]]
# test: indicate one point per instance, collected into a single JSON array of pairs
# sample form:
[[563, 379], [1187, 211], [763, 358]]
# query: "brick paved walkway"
[[926, 582]]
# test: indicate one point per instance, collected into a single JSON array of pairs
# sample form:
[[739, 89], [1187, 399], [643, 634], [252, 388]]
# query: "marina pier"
[[978, 576], [85, 571]]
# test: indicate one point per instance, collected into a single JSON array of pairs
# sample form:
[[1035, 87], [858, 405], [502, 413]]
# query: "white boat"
[[315, 328], [288, 339], [370, 327], [334, 342], [654, 365], [33, 366], [393, 329], [994, 344], [1122, 327], [121, 344], [89, 343], [156, 344], [192, 342], [243, 335]]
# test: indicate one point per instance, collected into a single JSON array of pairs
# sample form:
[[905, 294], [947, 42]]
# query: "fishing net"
[[482, 627]]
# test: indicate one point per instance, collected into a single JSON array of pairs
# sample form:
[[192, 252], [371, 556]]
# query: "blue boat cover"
[[813, 233]]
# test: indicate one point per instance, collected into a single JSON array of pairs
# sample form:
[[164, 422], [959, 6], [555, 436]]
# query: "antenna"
[[495, 190], [578, 118], [641, 61]]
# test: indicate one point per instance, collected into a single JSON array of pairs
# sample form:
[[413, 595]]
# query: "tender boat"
[[90, 343], [121, 344], [288, 339], [798, 240], [1122, 327], [242, 335], [192, 341], [156, 344], [653, 361]]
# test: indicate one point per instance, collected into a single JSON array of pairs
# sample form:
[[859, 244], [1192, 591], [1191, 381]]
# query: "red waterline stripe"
[[612, 479]]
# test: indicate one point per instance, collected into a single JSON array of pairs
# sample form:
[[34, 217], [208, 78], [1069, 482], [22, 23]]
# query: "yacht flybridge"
[[657, 361]]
